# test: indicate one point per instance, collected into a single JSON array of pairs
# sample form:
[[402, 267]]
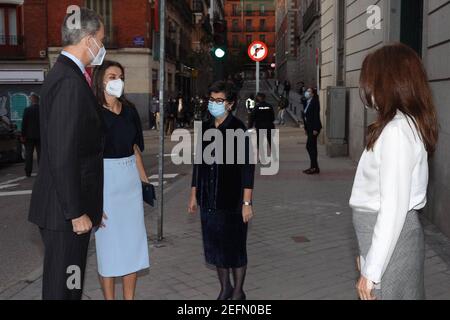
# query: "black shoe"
[[307, 170], [313, 171], [241, 297], [226, 296]]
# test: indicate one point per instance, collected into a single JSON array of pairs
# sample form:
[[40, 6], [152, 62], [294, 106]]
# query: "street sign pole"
[[162, 82], [257, 77], [257, 51]]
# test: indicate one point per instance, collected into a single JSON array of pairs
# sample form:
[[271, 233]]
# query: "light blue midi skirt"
[[122, 246]]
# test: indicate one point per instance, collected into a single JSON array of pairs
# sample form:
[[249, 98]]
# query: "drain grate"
[[300, 239]]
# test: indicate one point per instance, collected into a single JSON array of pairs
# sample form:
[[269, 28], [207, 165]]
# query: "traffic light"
[[219, 50]]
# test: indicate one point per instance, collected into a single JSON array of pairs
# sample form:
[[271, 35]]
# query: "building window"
[[262, 25], [9, 26], [236, 10], [248, 25], [2, 27], [235, 41], [262, 9], [248, 38], [235, 25], [341, 43], [104, 9], [262, 37]]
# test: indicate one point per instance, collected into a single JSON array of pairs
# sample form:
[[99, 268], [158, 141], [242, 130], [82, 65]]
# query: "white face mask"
[[97, 59], [115, 88]]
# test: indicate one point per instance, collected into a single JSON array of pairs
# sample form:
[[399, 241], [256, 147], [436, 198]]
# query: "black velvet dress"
[[220, 188]]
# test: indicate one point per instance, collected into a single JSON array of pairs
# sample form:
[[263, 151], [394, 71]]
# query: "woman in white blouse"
[[392, 176]]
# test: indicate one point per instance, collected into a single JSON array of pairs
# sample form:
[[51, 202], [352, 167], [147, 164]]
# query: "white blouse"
[[391, 180]]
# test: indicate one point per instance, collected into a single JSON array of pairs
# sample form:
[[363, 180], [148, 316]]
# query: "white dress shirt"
[[391, 180], [74, 59]]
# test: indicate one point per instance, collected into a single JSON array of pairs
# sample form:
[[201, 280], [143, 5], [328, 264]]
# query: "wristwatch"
[[247, 203]]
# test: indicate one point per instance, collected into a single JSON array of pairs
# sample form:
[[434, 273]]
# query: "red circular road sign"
[[258, 51]]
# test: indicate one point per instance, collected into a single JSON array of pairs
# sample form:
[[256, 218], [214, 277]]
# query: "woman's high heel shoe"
[[226, 296], [241, 297]]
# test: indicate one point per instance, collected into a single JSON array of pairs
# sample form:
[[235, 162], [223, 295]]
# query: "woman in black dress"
[[224, 194]]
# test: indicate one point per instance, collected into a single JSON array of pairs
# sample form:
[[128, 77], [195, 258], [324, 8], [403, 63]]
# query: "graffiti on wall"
[[13, 104]]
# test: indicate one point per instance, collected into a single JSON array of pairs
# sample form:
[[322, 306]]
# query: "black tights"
[[227, 291]]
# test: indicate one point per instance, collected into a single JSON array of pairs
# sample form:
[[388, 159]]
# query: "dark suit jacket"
[[30, 123], [312, 116], [70, 179], [262, 116]]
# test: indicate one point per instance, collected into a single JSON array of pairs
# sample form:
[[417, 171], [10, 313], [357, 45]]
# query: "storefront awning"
[[17, 2], [21, 76]]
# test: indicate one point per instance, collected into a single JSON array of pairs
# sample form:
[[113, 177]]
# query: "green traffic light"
[[219, 53]]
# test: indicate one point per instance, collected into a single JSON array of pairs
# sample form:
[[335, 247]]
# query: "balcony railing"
[[236, 29], [250, 29], [12, 47], [266, 13]]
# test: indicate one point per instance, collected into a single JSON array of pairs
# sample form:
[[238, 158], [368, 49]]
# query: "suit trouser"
[[30, 145], [64, 264], [311, 146]]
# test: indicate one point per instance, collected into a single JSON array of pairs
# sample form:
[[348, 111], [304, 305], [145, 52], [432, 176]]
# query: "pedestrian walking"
[[224, 191], [180, 111], [282, 105], [250, 103], [392, 177], [170, 115], [313, 126], [262, 118], [121, 240], [30, 133], [154, 105], [67, 198], [287, 88], [157, 115], [302, 88]]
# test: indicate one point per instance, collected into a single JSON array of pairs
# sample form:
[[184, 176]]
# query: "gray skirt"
[[404, 275]]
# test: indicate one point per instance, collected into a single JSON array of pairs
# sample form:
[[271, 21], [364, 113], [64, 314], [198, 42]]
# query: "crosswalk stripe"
[[166, 176], [15, 193], [156, 184], [6, 186]]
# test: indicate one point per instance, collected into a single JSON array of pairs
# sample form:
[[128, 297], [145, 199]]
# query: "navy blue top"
[[123, 131]]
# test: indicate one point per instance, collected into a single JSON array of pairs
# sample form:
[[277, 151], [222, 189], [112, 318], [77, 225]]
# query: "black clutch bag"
[[148, 193]]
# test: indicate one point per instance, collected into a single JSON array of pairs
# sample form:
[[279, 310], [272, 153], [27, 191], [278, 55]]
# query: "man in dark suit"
[[313, 126], [67, 199], [30, 133]]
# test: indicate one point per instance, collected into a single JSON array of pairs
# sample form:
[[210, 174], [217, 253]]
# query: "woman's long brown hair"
[[394, 78]]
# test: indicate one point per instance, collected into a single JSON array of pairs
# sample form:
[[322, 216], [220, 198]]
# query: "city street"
[[301, 243]]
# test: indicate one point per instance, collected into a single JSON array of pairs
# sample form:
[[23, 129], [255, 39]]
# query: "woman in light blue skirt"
[[121, 241]]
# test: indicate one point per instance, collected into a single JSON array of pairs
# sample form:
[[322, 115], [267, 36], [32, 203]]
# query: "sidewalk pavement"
[[301, 243]]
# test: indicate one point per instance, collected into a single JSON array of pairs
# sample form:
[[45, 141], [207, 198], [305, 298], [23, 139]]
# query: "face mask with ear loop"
[[115, 88], [97, 60]]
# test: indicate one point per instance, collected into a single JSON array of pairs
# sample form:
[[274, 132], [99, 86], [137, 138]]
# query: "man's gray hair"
[[90, 23]]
